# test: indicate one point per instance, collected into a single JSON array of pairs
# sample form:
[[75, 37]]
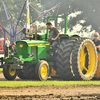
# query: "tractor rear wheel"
[[84, 59], [20, 74], [28, 72], [63, 59], [42, 70], [9, 74]]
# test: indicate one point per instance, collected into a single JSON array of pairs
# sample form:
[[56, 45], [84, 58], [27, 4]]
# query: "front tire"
[[42, 70], [9, 74]]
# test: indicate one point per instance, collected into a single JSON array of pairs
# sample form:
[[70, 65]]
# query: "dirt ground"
[[49, 92]]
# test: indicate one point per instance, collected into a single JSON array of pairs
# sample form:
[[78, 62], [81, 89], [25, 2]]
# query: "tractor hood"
[[34, 42]]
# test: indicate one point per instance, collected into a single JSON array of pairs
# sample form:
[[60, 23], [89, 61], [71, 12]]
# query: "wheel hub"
[[44, 70]]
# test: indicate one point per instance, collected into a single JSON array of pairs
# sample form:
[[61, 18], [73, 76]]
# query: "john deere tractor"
[[76, 58]]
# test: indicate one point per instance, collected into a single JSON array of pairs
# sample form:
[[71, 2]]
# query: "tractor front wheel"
[[9, 74], [42, 70]]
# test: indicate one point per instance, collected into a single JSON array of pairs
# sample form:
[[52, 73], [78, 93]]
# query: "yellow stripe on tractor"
[[39, 44]]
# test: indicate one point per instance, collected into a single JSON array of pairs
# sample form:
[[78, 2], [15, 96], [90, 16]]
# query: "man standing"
[[97, 41], [7, 44], [53, 37]]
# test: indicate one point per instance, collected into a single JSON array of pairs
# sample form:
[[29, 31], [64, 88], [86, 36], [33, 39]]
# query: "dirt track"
[[50, 92]]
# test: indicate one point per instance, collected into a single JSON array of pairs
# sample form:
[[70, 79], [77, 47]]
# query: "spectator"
[[7, 44], [97, 41], [13, 48]]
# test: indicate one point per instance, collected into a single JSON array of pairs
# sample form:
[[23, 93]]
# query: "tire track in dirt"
[[74, 92]]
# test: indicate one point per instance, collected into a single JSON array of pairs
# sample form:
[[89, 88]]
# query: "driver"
[[53, 37]]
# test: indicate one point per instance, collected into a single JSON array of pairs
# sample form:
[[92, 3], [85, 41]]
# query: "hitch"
[[16, 65], [17, 61]]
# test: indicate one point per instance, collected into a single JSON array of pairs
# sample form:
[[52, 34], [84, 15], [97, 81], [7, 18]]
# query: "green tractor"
[[76, 58]]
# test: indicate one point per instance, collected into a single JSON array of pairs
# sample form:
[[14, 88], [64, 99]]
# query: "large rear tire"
[[28, 72], [9, 74], [63, 60], [79, 59]]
